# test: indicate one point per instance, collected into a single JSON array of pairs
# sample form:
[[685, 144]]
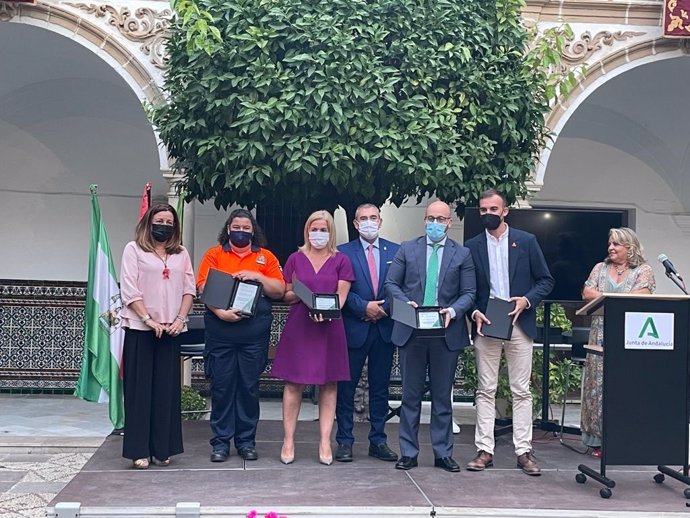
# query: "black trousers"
[[153, 420], [233, 369]]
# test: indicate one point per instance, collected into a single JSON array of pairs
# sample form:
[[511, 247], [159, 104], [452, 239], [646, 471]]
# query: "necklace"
[[164, 260], [620, 270]]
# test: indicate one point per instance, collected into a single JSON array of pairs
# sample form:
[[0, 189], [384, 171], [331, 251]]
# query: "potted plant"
[[559, 324], [558, 384], [194, 406]]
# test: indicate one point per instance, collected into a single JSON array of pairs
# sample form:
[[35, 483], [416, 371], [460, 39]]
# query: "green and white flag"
[[100, 378]]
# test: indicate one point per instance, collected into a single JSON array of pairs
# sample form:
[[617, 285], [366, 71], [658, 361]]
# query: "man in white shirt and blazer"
[[509, 265]]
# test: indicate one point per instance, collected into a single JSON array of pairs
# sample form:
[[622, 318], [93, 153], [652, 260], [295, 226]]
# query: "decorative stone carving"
[[7, 11], [580, 50], [146, 26]]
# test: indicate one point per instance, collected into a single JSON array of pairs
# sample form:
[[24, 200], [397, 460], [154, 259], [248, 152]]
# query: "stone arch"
[[598, 74], [104, 44]]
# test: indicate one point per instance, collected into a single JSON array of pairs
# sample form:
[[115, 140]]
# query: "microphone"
[[670, 269]]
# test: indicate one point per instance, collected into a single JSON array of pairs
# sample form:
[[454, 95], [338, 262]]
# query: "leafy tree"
[[320, 103]]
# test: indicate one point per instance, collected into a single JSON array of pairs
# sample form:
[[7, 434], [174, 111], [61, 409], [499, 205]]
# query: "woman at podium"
[[624, 270]]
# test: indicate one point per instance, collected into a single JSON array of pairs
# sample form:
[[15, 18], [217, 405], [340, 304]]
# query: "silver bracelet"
[[182, 319], [145, 318]]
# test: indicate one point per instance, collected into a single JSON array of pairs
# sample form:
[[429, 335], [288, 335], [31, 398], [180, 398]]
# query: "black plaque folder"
[[325, 304], [426, 320], [224, 291], [501, 326]]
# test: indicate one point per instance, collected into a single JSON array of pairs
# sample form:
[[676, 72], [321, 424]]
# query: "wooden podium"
[[646, 392]]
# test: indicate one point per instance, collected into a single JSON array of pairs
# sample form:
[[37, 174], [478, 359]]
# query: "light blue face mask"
[[435, 231]]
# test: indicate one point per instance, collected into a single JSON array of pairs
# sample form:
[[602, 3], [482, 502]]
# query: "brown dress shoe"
[[527, 463], [482, 461]]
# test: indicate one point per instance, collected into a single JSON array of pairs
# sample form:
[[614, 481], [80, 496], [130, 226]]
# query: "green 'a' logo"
[[649, 323]]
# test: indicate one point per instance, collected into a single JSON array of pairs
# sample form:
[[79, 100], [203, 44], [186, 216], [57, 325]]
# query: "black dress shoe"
[[248, 453], [383, 452], [447, 463], [343, 453], [219, 455], [406, 463]]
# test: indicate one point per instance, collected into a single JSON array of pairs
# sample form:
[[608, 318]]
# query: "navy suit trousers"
[[380, 356]]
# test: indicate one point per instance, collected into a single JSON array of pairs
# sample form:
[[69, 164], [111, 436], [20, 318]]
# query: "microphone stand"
[[677, 281]]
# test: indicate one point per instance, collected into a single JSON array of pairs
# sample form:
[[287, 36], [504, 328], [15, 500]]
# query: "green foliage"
[[545, 57], [558, 318], [558, 381], [194, 405], [341, 101], [200, 33]]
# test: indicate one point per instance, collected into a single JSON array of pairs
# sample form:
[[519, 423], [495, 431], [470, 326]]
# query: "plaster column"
[[187, 240]]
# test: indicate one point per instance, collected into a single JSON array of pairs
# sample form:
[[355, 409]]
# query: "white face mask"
[[369, 230], [319, 239]]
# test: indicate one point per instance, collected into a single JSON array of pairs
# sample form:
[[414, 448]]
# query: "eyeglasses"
[[439, 219]]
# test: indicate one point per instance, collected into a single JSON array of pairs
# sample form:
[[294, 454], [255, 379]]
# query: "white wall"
[[628, 146], [66, 121]]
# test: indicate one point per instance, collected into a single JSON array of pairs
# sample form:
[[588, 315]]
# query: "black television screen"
[[573, 241]]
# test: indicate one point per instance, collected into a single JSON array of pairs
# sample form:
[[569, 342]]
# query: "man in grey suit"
[[431, 270]]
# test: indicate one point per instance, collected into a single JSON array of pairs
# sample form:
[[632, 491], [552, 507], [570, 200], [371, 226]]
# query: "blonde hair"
[[626, 237], [326, 216]]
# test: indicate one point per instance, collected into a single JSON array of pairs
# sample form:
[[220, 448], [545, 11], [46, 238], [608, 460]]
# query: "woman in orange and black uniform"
[[237, 346]]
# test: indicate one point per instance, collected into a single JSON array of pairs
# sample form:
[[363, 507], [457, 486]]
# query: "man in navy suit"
[[431, 270], [511, 266], [368, 330]]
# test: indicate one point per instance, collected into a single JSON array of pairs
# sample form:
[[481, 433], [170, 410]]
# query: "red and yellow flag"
[[145, 200]]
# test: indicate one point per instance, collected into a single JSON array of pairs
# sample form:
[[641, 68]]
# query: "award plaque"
[[429, 318], [325, 304], [427, 321], [501, 326], [246, 296], [224, 291]]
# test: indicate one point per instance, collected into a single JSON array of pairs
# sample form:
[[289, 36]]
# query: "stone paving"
[[29, 481], [44, 442]]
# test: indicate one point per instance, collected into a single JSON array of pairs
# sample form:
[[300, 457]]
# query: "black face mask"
[[490, 221], [240, 238], [162, 233]]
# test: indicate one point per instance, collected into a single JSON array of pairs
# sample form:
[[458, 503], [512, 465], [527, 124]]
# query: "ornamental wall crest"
[[146, 26], [578, 51], [677, 18]]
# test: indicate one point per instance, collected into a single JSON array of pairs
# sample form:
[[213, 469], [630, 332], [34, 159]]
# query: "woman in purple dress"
[[313, 351]]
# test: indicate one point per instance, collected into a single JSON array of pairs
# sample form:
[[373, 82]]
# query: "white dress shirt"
[[499, 274]]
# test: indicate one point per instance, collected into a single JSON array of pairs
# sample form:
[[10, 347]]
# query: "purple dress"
[[313, 353]]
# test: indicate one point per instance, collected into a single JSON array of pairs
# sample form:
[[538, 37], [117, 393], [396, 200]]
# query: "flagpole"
[[100, 377]]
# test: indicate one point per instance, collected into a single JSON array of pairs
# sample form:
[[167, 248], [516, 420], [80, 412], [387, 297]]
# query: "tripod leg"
[[565, 394]]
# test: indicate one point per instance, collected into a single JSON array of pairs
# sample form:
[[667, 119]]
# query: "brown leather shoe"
[[482, 461], [527, 463]]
